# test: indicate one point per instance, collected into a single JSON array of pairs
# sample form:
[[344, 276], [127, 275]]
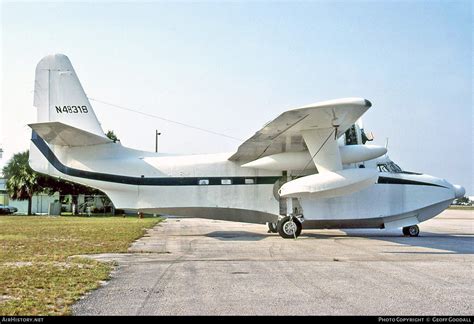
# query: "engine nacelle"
[[359, 153], [302, 160]]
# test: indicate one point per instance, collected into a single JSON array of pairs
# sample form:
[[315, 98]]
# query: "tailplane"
[[57, 133]]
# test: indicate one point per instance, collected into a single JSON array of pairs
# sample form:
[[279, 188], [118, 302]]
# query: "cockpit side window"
[[395, 168], [389, 167]]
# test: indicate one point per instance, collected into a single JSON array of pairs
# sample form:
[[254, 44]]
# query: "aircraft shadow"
[[442, 243], [445, 243], [237, 235]]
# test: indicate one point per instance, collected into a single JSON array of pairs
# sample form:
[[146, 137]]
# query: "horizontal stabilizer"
[[330, 184], [57, 133]]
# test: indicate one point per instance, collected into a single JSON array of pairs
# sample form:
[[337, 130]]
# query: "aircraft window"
[[203, 182], [226, 181], [395, 168], [249, 181], [389, 167], [383, 168]]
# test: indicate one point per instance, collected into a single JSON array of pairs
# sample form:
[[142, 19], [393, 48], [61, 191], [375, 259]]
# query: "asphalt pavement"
[[194, 266]]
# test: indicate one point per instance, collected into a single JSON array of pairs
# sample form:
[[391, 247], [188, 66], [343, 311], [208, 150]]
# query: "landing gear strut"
[[289, 227], [411, 230]]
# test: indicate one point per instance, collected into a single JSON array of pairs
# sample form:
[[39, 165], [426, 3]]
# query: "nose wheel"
[[289, 227], [411, 230]]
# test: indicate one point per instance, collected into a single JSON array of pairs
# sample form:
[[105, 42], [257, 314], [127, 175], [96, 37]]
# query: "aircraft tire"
[[405, 231], [272, 227], [412, 231], [288, 228]]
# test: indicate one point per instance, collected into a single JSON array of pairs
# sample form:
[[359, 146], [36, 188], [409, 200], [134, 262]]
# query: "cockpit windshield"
[[389, 167]]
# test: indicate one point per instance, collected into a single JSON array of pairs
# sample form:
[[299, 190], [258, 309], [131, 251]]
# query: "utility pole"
[[156, 140]]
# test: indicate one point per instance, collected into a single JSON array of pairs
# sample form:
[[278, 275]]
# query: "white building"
[[3, 192], [40, 202]]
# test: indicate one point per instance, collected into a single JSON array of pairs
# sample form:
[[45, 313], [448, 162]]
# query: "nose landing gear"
[[411, 230]]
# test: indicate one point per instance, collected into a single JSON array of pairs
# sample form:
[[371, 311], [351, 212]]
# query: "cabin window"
[[226, 181], [249, 181], [203, 181]]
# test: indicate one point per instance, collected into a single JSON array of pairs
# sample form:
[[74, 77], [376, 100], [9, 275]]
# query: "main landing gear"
[[411, 230], [289, 227], [272, 227]]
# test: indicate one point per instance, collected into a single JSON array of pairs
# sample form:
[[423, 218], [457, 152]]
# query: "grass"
[[461, 207], [38, 276]]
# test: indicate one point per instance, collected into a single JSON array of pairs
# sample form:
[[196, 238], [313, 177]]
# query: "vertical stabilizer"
[[60, 97]]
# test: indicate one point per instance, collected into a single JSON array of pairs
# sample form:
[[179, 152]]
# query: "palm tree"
[[22, 181]]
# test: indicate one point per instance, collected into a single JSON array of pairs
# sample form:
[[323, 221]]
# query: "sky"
[[230, 67]]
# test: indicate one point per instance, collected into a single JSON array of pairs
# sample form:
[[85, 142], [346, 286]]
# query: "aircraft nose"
[[459, 191]]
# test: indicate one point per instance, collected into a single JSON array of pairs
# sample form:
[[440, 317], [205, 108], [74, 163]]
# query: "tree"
[[463, 201], [22, 181], [111, 135]]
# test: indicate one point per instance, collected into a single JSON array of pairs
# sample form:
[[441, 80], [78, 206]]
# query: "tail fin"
[[65, 116], [59, 96]]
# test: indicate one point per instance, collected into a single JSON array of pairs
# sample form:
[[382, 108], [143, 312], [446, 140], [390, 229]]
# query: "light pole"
[[156, 140]]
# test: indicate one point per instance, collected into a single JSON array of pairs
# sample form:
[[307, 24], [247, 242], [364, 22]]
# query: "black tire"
[[284, 227], [272, 227], [412, 231]]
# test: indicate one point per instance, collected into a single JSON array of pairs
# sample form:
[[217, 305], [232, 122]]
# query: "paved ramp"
[[205, 267]]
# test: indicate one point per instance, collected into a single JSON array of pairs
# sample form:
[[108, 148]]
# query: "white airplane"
[[296, 172]]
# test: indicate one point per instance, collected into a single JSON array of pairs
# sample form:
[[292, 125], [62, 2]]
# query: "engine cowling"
[[299, 160]]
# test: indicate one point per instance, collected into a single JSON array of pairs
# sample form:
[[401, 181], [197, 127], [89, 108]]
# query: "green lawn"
[[461, 207], [38, 276]]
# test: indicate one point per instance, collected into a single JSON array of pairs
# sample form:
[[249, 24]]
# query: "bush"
[[102, 210]]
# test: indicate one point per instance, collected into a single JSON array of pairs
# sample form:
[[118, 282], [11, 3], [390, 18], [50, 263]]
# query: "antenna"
[[167, 120]]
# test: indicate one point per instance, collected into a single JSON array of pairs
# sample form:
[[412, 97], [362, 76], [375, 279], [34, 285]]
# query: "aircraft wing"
[[285, 133]]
